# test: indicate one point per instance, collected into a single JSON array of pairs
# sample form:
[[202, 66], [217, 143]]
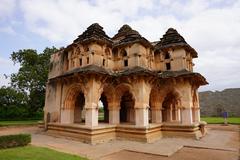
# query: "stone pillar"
[[91, 59], [186, 103], [169, 114], [197, 115], [131, 115], [67, 116], [156, 115], [186, 116], [141, 115], [114, 112], [196, 108], [114, 116], [142, 92], [93, 93], [178, 114], [91, 114]]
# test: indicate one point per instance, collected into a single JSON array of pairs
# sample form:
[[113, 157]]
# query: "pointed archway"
[[79, 115], [127, 112], [170, 109], [103, 115], [74, 106]]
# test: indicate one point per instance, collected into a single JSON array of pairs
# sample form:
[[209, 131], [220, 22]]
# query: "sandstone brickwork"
[[148, 89]]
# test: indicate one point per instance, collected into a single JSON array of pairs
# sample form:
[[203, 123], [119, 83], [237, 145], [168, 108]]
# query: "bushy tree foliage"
[[32, 75], [13, 103], [30, 80]]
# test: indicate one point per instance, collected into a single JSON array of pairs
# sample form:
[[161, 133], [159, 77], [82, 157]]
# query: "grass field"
[[17, 123], [220, 120], [35, 153], [210, 120], [101, 116]]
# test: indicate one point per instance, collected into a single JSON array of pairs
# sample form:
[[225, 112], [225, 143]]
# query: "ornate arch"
[[77, 50], [123, 53], [109, 92], [72, 93], [123, 87], [159, 93]]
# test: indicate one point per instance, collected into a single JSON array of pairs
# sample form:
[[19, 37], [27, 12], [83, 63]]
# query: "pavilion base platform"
[[94, 135], [156, 131], [195, 131], [106, 132], [142, 134]]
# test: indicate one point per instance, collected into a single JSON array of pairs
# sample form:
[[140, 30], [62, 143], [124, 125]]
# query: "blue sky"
[[211, 27]]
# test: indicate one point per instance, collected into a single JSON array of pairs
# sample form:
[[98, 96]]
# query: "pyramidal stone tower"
[[147, 90]]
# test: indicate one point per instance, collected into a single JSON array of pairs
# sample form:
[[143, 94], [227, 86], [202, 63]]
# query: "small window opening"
[[66, 64], [87, 60], [86, 49], [107, 51], [167, 56], [123, 53], [103, 63], [168, 66], [73, 64], [125, 63], [78, 51], [80, 61], [115, 53]]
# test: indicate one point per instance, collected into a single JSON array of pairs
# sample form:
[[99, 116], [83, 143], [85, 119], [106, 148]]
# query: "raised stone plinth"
[[107, 132]]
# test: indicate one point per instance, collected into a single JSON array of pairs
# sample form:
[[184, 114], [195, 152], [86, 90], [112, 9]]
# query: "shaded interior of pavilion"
[[167, 111]]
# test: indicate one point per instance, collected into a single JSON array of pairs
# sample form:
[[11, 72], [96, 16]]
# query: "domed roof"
[[127, 35], [93, 32], [173, 39], [124, 31]]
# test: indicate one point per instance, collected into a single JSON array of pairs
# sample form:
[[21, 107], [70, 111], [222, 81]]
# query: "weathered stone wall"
[[214, 103]]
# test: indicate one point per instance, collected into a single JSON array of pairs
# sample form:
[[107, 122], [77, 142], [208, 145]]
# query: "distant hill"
[[214, 103]]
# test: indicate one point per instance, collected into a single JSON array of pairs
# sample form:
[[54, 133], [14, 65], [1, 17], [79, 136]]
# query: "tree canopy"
[[12, 103], [30, 80]]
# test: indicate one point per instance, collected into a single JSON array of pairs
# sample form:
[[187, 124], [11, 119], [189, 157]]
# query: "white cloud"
[[6, 8], [186, 9], [6, 68], [211, 27], [213, 33], [4, 81], [214, 28], [61, 20], [7, 30], [221, 68], [154, 28]]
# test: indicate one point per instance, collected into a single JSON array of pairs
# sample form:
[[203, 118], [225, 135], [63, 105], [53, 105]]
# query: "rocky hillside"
[[214, 103]]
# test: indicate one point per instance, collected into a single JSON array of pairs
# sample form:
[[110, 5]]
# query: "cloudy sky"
[[211, 27]]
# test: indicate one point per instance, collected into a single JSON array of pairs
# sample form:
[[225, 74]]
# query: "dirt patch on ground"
[[185, 153], [234, 140], [234, 128], [17, 130], [223, 142]]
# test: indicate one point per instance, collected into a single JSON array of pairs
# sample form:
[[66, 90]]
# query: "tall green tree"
[[32, 75], [13, 103]]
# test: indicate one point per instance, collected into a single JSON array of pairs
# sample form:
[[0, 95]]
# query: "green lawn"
[[35, 153], [220, 120], [17, 123], [100, 116]]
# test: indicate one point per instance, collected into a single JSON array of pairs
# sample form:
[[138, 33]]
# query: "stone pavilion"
[[148, 89]]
